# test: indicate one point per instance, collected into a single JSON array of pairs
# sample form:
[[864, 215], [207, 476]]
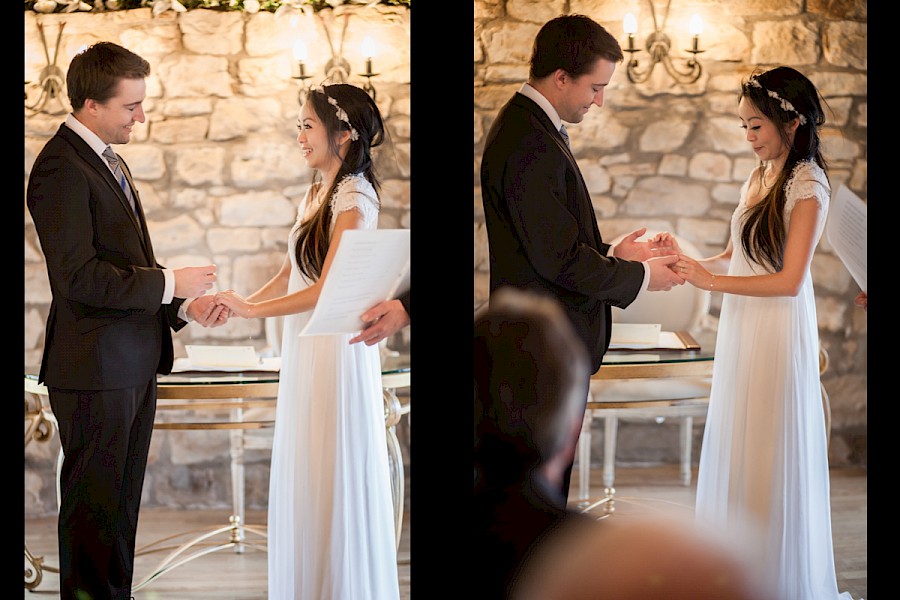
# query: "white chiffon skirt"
[[764, 460], [331, 521]]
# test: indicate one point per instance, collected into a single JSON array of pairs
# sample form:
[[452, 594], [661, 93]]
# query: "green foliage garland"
[[59, 6]]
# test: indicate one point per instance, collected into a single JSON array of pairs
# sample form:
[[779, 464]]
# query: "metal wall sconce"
[[337, 69], [658, 46], [368, 48], [299, 68], [51, 80]]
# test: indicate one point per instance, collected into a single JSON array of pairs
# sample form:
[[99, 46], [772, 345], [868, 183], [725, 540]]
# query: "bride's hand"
[[693, 272], [664, 244], [235, 303]]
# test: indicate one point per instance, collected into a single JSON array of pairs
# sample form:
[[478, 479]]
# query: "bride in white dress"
[[331, 529], [764, 458]]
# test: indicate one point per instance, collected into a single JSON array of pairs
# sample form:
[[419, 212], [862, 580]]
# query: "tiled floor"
[[225, 575]]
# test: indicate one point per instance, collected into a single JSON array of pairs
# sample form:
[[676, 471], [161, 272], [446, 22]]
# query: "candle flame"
[[696, 26], [629, 24], [368, 47], [300, 52]]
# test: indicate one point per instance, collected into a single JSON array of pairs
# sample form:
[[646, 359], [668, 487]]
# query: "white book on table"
[[649, 336], [224, 358]]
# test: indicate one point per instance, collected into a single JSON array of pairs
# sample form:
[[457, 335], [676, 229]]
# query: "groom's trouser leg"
[[567, 474], [105, 438]]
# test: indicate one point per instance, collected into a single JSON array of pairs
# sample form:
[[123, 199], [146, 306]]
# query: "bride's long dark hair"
[[763, 232], [314, 234]]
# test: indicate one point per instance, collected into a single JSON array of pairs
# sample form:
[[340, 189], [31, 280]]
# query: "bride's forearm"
[[271, 290], [275, 287], [716, 264], [298, 302]]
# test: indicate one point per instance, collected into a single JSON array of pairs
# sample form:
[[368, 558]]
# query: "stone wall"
[[220, 175], [672, 156]]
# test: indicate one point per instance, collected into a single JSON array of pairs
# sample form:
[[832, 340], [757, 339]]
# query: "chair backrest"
[[274, 327], [679, 309]]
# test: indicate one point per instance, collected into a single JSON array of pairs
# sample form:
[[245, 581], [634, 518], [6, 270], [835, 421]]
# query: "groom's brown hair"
[[572, 43]]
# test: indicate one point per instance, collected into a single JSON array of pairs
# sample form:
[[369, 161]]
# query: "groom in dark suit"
[[542, 230], [108, 331]]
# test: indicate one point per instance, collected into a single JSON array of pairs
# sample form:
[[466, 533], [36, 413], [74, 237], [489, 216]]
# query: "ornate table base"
[[40, 425], [236, 397]]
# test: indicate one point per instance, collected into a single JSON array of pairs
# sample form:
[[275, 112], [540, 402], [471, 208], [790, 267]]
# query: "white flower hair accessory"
[[785, 105], [340, 112]]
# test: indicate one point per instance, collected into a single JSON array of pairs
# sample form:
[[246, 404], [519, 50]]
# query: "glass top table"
[[642, 364], [225, 400], [674, 385]]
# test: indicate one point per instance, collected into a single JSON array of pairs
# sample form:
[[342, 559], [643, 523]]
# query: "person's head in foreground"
[[531, 377], [642, 558]]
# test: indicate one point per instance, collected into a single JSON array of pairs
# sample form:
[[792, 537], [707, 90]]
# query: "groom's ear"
[[561, 77]]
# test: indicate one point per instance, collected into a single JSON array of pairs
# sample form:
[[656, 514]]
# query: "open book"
[[370, 266], [224, 358], [649, 336]]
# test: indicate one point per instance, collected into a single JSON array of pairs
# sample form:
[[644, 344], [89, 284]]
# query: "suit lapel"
[[587, 219], [531, 106], [138, 212], [101, 166]]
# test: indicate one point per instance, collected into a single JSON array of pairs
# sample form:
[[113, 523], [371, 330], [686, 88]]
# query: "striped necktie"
[[565, 135], [113, 161]]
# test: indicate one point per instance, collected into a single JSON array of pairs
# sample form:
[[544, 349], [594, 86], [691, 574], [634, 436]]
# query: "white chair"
[[679, 309]]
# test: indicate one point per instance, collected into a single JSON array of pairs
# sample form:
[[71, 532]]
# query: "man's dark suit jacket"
[[106, 328], [404, 300], [512, 524], [541, 226]]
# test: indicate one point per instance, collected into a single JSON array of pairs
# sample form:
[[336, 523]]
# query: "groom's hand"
[[205, 311], [664, 243], [629, 249], [662, 276], [192, 282], [383, 320]]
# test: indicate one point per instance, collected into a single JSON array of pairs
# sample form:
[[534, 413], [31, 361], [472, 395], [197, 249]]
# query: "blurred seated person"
[[530, 377], [651, 558], [531, 374]]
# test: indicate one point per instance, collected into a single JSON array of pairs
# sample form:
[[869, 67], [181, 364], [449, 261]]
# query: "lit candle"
[[300, 56], [629, 25], [696, 28], [368, 50]]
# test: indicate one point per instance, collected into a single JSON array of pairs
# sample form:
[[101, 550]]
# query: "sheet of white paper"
[[667, 340], [847, 232], [635, 335], [222, 356], [369, 266], [629, 358], [269, 364]]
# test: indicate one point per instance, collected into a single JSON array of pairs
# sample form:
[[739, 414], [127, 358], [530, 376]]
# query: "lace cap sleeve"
[[355, 192], [808, 180]]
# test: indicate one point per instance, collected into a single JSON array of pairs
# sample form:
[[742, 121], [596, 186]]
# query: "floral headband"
[[340, 112], [785, 105]]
